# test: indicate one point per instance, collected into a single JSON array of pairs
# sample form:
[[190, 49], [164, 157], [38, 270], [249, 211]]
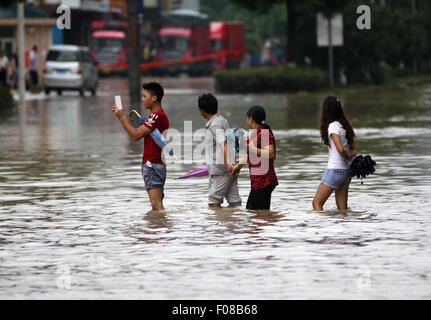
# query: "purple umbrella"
[[199, 172]]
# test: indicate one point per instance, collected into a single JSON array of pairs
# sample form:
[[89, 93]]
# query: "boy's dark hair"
[[208, 103], [155, 89]]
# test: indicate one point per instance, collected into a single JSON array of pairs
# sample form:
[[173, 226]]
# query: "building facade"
[[38, 26]]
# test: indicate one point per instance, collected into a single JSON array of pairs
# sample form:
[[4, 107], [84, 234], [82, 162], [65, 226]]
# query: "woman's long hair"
[[257, 113], [332, 110]]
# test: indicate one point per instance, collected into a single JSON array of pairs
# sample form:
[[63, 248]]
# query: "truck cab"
[[184, 43], [108, 43], [228, 40]]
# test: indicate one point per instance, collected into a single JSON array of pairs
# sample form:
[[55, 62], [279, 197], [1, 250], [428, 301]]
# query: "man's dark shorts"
[[154, 175]]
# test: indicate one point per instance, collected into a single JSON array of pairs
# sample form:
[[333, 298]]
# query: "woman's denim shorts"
[[337, 178]]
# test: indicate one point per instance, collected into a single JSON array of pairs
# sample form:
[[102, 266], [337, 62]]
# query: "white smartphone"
[[118, 102]]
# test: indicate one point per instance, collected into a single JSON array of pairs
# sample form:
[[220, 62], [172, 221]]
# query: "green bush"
[[279, 79], [6, 99], [359, 76], [381, 73], [402, 72]]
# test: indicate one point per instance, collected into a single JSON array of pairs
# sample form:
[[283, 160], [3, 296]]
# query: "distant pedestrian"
[[260, 157], [15, 56], [153, 166], [33, 69], [14, 71], [337, 133], [246, 61], [4, 64]]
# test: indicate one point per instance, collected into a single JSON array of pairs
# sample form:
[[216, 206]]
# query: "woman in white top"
[[337, 133]]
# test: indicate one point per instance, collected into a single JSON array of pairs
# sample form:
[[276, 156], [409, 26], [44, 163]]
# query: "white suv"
[[70, 67]]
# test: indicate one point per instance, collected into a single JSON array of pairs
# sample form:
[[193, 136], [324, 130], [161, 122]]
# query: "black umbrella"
[[362, 167]]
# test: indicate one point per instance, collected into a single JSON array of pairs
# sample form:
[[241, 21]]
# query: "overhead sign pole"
[[330, 34], [134, 53], [21, 44], [330, 54]]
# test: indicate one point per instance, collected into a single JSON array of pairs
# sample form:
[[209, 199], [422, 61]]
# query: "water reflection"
[[157, 220], [22, 121], [265, 217]]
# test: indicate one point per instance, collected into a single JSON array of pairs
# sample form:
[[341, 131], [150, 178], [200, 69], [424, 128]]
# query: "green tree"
[[7, 3], [263, 6], [295, 10], [398, 36], [259, 26]]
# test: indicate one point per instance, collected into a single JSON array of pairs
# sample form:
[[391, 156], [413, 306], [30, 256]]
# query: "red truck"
[[185, 36], [228, 39], [108, 45]]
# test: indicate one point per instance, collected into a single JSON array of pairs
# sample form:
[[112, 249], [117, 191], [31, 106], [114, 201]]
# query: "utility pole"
[[330, 34], [134, 53], [21, 44], [290, 31], [330, 53], [415, 63]]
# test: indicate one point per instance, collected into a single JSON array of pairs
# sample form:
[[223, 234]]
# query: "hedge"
[[382, 73], [6, 99], [278, 79], [379, 74]]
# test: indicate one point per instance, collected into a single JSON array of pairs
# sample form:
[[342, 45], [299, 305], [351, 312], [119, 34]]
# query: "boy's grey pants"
[[224, 186]]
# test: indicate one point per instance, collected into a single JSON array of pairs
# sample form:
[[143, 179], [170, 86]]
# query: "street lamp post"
[[134, 53], [21, 44], [330, 53]]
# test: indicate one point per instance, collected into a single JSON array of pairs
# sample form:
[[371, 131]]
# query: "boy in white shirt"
[[222, 185]]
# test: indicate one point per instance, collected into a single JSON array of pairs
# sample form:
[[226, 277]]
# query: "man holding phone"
[[153, 164]]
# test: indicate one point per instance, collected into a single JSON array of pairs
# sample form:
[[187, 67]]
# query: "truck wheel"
[[46, 91], [93, 91], [59, 91], [81, 91]]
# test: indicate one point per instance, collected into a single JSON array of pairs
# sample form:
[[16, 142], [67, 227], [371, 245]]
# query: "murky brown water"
[[75, 220]]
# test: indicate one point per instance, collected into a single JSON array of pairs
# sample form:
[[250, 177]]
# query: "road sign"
[[323, 33], [150, 9], [330, 34]]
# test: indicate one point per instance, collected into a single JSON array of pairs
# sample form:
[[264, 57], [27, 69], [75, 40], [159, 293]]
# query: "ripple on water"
[[78, 210]]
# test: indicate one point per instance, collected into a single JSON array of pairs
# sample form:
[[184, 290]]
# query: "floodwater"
[[75, 221]]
